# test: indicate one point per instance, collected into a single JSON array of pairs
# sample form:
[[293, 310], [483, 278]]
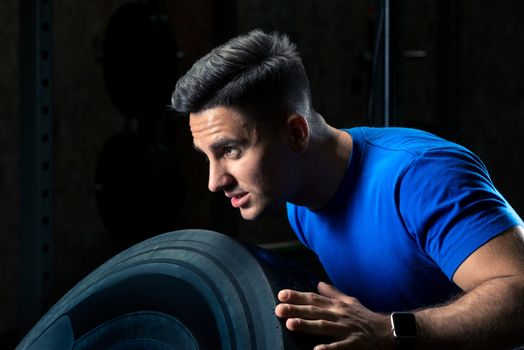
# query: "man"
[[426, 253]]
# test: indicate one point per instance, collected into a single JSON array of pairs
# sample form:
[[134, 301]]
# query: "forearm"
[[491, 316]]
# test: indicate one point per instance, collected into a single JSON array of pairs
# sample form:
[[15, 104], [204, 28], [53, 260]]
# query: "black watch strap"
[[405, 343]]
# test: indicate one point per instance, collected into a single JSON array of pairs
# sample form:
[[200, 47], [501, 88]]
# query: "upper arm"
[[502, 256], [452, 209]]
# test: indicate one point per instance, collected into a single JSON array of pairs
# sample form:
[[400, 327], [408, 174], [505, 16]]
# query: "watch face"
[[404, 324]]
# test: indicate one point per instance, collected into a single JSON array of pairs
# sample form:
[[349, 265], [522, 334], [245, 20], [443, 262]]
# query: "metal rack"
[[36, 157]]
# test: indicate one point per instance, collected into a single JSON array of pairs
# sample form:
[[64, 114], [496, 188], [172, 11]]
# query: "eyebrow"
[[221, 143]]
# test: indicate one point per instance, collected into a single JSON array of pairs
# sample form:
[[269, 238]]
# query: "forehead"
[[219, 122]]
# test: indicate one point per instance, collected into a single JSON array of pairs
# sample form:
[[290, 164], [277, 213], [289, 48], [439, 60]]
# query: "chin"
[[257, 211], [249, 214]]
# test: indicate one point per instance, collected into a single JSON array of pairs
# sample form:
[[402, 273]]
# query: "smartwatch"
[[404, 329]]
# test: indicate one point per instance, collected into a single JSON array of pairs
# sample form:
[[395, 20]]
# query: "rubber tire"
[[189, 289]]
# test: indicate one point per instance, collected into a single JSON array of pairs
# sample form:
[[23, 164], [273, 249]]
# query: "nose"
[[219, 177]]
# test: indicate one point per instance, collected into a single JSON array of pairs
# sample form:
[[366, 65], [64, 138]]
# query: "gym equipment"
[[188, 289]]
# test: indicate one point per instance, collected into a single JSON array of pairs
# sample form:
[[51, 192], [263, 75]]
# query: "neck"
[[324, 167]]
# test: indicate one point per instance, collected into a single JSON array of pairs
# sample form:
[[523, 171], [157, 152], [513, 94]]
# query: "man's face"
[[247, 162]]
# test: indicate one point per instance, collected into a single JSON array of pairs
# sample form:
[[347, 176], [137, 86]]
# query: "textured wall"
[[492, 87]]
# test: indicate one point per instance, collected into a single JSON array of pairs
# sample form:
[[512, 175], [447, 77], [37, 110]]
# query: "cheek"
[[254, 174], [264, 171], [273, 171]]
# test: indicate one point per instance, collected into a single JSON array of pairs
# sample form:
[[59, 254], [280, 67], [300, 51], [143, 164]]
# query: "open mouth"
[[239, 199]]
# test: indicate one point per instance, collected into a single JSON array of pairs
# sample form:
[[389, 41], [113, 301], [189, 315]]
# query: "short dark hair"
[[250, 68]]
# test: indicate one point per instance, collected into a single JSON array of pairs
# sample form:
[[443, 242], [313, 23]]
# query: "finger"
[[317, 327], [307, 312], [353, 342], [343, 344], [329, 291], [302, 298]]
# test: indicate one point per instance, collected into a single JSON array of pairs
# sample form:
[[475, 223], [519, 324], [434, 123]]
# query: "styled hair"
[[250, 69]]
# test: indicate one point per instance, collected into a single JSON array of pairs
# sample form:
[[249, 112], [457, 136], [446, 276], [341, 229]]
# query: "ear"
[[298, 132]]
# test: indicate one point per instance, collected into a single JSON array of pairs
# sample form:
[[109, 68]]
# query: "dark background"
[[467, 87]]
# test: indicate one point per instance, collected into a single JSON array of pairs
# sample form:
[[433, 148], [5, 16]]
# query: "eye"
[[230, 152]]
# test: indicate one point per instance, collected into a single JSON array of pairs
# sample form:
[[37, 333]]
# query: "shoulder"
[[450, 165], [400, 139]]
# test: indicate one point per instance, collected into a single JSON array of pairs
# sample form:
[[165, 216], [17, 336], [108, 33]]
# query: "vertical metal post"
[[36, 110], [382, 100], [387, 61]]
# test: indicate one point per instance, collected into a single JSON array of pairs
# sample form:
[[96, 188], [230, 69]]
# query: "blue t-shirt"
[[410, 209]]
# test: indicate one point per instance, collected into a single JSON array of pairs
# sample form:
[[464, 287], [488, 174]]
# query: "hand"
[[332, 313]]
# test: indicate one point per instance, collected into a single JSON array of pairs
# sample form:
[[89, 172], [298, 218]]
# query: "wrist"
[[385, 336]]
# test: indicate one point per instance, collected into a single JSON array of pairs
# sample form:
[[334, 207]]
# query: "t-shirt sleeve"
[[294, 216], [451, 207]]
